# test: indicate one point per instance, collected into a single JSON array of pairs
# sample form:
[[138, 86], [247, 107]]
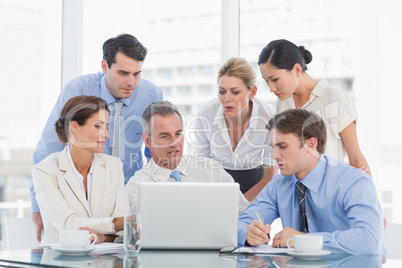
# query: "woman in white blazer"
[[80, 187]]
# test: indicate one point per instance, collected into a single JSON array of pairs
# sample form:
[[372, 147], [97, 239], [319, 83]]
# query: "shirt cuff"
[[34, 204]]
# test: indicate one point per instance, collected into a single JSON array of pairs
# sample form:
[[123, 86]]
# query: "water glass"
[[132, 261], [132, 232]]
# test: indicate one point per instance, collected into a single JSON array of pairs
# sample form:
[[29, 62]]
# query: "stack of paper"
[[107, 248]]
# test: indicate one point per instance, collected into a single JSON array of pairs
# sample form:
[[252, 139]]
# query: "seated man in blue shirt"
[[339, 202], [120, 85]]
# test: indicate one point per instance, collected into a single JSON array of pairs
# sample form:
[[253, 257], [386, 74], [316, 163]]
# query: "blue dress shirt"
[[341, 205], [131, 129]]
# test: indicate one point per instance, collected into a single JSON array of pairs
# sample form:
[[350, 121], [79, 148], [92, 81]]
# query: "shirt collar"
[[163, 174], [319, 89], [313, 180], [77, 174]]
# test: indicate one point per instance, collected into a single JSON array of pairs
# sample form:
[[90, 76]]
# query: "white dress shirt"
[[335, 106], [210, 136], [192, 169], [80, 178]]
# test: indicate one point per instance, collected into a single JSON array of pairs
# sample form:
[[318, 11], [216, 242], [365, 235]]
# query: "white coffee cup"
[[306, 243], [76, 238]]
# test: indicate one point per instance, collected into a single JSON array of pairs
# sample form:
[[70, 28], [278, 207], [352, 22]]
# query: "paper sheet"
[[261, 249], [106, 247]]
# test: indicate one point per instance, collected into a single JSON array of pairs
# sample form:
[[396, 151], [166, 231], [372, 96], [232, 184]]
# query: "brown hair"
[[79, 109], [125, 43], [303, 123], [240, 68]]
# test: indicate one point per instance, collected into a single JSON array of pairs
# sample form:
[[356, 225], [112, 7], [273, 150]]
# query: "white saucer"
[[74, 251], [308, 256]]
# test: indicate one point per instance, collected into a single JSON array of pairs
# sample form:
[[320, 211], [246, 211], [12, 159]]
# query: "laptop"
[[188, 215]]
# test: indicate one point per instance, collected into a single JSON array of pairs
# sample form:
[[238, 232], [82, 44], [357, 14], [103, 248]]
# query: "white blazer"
[[62, 201]]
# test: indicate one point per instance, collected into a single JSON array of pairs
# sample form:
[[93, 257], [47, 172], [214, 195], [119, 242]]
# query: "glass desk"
[[193, 259]]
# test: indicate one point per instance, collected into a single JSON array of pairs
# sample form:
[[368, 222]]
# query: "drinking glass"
[[132, 232], [132, 261]]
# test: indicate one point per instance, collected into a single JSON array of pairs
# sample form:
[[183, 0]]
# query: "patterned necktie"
[[301, 198], [116, 129], [176, 175]]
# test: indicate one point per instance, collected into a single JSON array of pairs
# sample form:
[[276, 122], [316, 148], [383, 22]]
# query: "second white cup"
[[76, 238], [307, 243]]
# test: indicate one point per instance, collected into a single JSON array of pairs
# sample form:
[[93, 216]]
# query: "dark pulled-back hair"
[[80, 109], [283, 54], [303, 123], [126, 44]]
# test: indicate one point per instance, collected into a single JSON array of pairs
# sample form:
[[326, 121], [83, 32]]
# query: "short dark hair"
[[163, 108], [303, 123], [126, 44], [80, 109], [283, 54]]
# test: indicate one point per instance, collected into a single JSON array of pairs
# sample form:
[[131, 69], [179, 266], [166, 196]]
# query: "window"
[[30, 79], [208, 90], [30, 75], [165, 73], [167, 92], [179, 35], [185, 91], [185, 71]]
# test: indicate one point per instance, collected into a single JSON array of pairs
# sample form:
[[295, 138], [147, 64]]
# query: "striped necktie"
[[116, 129], [301, 198]]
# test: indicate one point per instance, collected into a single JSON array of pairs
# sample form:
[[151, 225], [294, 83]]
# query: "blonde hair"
[[240, 68]]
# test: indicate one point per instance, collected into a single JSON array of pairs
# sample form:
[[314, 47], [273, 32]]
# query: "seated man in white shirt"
[[163, 135]]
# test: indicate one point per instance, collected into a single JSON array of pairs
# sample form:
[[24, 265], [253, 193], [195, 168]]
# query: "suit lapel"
[[72, 180], [98, 180]]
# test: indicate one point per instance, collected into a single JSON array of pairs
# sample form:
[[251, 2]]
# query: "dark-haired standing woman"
[[283, 66]]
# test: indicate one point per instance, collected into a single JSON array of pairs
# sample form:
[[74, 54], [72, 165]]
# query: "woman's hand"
[[100, 238], [349, 139], [365, 169], [118, 224], [37, 218]]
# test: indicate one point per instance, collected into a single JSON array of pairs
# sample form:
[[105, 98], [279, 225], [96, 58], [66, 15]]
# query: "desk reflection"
[[185, 258], [334, 260], [193, 259]]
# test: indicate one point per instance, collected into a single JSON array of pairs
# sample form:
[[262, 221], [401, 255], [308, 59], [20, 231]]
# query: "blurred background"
[[45, 43]]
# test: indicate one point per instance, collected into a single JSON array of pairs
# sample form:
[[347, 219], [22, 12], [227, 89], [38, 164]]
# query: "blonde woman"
[[231, 129]]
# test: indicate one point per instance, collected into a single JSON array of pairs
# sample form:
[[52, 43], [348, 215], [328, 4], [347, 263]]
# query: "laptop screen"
[[188, 215]]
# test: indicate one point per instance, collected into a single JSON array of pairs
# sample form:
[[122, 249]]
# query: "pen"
[[259, 217], [261, 220]]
